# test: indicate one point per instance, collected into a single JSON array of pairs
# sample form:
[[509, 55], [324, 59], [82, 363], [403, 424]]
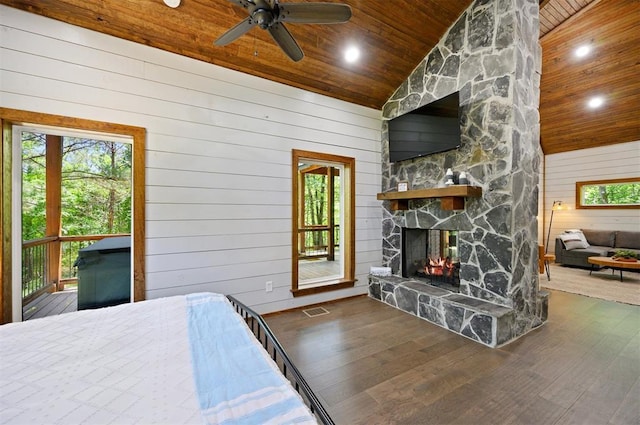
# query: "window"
[[614, 193], [323, 229]]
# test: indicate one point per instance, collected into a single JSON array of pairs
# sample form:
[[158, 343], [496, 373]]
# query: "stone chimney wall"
[[493, 57]]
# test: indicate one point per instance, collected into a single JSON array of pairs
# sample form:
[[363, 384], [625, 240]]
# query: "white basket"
[[380, 271]]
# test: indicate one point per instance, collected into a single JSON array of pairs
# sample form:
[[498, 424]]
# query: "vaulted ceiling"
[[610, 71], [394, 36]]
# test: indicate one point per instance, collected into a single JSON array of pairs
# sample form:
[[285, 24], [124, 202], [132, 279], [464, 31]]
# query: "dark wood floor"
[[372, 364], [50, 304]]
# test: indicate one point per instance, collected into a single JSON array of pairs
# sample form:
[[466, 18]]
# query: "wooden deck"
[[51, 304], [317, 269]]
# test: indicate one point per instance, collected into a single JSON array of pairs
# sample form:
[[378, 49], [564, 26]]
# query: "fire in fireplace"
[[431, 255]]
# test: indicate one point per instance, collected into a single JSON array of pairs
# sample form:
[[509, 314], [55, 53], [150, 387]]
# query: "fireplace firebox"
[[431, 255]]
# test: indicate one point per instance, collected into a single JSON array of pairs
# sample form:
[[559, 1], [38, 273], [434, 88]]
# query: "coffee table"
[[610, 263]]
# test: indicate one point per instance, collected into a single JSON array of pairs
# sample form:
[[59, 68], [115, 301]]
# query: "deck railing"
[[37, 262], [315, 241], [35, 254]]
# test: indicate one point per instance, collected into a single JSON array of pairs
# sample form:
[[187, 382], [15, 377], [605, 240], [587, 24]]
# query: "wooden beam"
[[331, 249], [451, 203], [5, 225], [399, 204], [436, 192], [451, 197], [53, 171], [302, 189]]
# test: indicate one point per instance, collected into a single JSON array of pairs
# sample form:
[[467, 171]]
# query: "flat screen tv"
[[432, 128]]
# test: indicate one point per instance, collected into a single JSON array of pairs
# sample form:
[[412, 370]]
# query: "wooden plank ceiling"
[[611, 70], [394, 36]]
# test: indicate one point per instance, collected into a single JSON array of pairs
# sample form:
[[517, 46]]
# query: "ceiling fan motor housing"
[[264, 18]]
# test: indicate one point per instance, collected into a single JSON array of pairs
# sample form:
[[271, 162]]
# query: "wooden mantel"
[[451, 197]]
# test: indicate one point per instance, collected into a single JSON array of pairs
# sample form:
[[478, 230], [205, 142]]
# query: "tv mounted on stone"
[[432, 128]]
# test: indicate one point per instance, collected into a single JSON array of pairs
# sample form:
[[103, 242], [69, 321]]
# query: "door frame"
[[11, 117], [347, 244]]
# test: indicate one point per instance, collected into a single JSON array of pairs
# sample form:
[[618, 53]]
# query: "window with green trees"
[[96, 186], [323, 224], [614, 193]]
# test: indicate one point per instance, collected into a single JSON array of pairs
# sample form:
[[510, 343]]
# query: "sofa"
[[574, 247]]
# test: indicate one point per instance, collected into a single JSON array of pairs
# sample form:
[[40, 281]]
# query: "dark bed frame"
[[271, 345]]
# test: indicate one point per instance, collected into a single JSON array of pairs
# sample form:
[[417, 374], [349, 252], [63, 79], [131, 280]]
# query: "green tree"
[[612, 194], [96, 186], [96, 189], [33, 186], [317, 204]]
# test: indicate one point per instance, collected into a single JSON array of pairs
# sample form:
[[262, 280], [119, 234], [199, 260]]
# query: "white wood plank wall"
[[218, 153], [563, 170]]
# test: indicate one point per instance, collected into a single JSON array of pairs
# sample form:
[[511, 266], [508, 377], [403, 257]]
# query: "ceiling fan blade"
[[286, 41], [242, 3], [235, 32], [314, 13]]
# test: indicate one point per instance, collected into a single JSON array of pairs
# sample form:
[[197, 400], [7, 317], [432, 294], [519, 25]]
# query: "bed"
[[194, 359]]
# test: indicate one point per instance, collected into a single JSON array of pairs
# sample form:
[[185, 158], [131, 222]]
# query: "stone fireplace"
[[492, 56]]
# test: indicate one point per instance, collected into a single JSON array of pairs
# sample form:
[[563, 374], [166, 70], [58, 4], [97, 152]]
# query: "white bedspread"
[[129, 364]]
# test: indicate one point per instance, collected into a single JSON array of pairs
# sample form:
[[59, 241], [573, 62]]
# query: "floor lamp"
[[556, 205]]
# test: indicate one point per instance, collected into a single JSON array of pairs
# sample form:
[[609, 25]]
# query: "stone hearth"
[[492, 56], [479, 320]]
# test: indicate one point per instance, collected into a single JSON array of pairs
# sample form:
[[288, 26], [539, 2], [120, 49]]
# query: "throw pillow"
[[573, 240], [581, 235]]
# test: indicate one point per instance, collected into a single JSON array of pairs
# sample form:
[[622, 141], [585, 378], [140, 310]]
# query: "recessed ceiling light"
[[352, 54], [583, 50], [595, 102], [172, 3]]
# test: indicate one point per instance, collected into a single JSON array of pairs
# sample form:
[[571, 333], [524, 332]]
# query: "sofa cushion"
[[573, 240], [628, 239], [600, 237], [592, 251]]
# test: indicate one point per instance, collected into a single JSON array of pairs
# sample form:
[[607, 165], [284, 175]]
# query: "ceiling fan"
[[271, 16]]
